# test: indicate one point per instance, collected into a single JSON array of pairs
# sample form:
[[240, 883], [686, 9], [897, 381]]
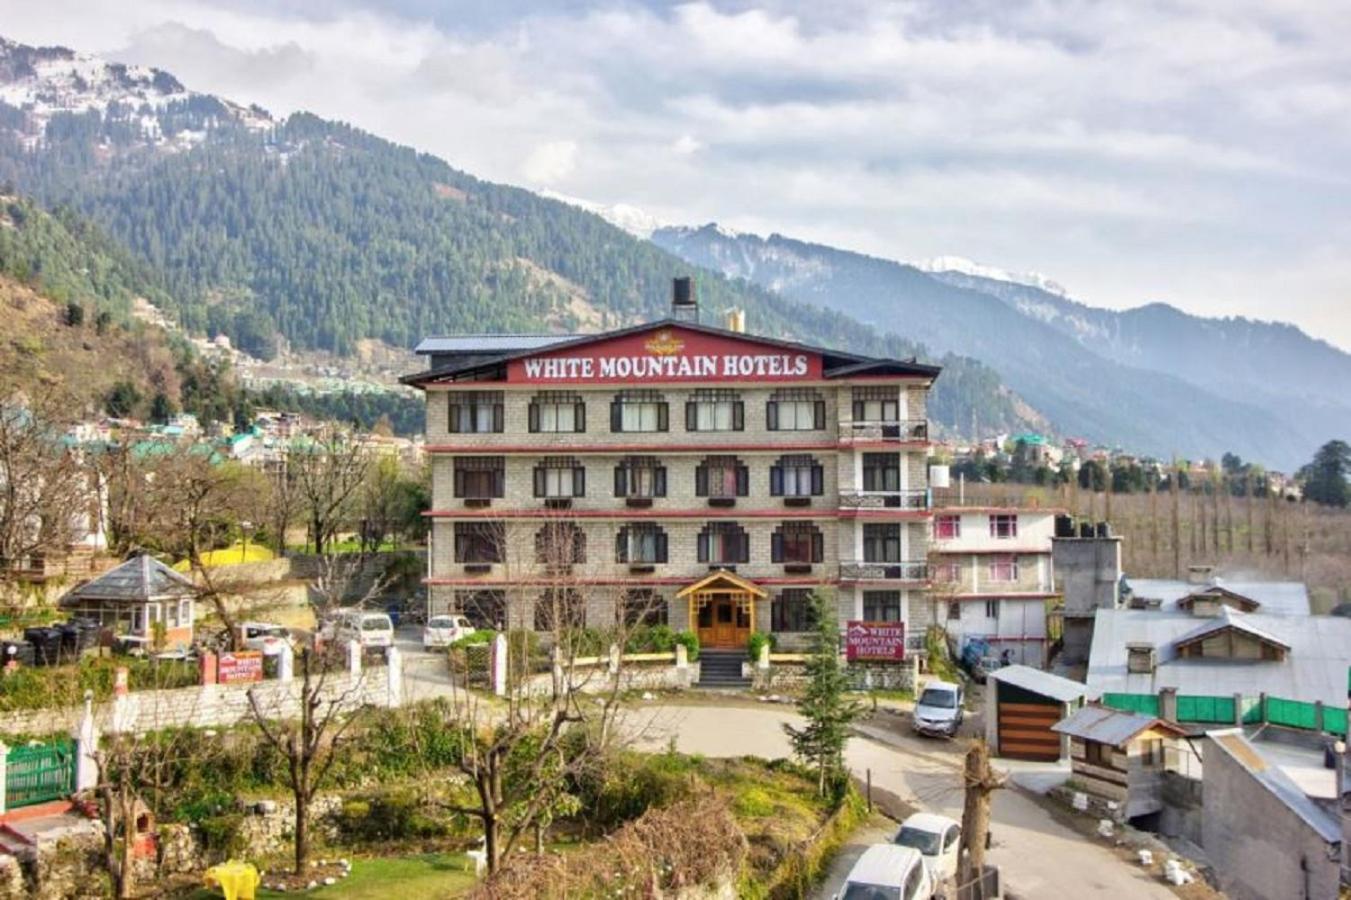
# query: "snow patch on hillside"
[[969, 267]]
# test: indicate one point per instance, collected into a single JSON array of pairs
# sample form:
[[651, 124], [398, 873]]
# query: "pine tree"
[[829, 713], [1325, 477]]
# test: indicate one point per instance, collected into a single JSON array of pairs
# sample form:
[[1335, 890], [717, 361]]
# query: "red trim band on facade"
[[665, 581], [935, 547], [1003, 510], [712, 512], [887, 582], [549, 448], [1002, 595]]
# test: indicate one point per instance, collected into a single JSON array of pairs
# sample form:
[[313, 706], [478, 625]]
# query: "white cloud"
[[550, 163], [1118, 147]]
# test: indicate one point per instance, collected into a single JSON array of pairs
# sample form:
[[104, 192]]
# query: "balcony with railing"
[[900, 431], [909, 500], [862, 570]]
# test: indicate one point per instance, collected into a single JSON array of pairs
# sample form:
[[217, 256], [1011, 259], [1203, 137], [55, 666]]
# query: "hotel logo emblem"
[[663, 343]]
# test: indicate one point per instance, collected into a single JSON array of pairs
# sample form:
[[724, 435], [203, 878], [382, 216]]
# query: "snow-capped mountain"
[[961, 264], [635, 221], [46, 83], [1154, 378]]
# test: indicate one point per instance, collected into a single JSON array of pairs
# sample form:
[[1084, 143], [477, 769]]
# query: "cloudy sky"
[[1195, 153]]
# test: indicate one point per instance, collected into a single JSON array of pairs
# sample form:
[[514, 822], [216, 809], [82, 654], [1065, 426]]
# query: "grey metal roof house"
[[1119, 757], [134, 597], [1021, 705], [1294, 657], [1289, 598]]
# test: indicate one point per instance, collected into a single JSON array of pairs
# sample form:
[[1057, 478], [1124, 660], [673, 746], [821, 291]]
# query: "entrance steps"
[[722, 669]]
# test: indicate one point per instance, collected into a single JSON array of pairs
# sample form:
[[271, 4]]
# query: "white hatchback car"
[[888, 872], [369, 629], [442, 631], [937, 838]]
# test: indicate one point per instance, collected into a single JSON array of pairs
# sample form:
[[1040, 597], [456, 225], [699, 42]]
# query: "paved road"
[[1038, 856]]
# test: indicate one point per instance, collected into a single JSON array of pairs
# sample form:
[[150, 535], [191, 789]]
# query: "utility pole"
[[979, 782]]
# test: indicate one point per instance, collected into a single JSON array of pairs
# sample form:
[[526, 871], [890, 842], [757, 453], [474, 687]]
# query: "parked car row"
[[920, 862]]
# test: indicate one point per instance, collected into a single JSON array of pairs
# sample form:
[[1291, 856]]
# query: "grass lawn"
[[428, 876]]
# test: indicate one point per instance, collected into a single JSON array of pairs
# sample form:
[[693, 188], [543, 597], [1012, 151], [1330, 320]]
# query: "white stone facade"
[[993, 578]]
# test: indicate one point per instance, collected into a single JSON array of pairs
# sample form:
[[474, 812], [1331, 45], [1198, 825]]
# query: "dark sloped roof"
[[138, 579], [835, 363]]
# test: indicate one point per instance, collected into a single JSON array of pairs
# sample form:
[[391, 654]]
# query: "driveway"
[[1038, 857]]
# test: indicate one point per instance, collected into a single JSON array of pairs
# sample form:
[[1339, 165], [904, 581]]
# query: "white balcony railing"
[[914, 500], [856, 570], [900, 431]]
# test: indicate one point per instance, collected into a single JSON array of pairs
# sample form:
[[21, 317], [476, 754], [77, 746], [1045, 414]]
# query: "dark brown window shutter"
[[663, 417], [534, 418], [616, 417], [661, 546], [743, 481], [818, 480], [691, 417], [539, 481], [772, 416], [621, 481], [819, 414], [776, 547], [579, 417], [739, 416], [579, 481]]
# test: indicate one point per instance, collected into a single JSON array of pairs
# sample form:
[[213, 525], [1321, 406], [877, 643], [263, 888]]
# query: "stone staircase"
[[722, 669]]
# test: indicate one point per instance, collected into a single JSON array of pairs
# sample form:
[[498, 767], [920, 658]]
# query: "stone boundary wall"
[[204, 706]]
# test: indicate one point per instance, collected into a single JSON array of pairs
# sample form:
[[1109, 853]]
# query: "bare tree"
[[44, 484], [312, 736], [329, 469], [521, 754]]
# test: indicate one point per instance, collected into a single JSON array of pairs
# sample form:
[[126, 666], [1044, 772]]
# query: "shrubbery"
[[757, 640], [35, 687]]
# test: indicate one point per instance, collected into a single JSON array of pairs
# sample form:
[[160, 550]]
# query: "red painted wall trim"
[[1004, 595], [712, 512], [665, 580], [550, 448]]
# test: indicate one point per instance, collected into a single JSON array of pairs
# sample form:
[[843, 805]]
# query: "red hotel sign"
[[239, 668], [875, 641], [667, 354]]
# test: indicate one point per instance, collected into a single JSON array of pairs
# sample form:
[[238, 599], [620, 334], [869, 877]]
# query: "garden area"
[[394, 799]]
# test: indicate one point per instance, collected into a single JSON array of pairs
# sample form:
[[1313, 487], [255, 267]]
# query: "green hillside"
[[326, 235]]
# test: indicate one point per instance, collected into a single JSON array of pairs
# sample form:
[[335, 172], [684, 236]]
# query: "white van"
[[369, 629], [888, 872]]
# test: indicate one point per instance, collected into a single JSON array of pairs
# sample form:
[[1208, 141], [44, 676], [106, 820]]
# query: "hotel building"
[[678, 473]]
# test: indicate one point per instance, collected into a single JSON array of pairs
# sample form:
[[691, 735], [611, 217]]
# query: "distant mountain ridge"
[[1151, 379], [330, 236]]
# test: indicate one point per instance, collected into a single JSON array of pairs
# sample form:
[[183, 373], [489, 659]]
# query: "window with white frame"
[[992, 609], [954, 611], [947, 573], [639, 410], [557, 411], [795, 409], [560, 477], [947, 527], [1004, 568], [715, 410], [1004, 525]]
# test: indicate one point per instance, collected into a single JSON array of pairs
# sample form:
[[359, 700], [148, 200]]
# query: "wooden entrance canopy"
[[722, 608]]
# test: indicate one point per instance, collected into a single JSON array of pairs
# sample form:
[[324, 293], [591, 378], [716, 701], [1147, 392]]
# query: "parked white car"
[[938, 711], [265, 636], [937, 838], [442, 631], [888, 872], [369, 629]]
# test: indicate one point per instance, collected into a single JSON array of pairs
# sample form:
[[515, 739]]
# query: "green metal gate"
[[36, 774]]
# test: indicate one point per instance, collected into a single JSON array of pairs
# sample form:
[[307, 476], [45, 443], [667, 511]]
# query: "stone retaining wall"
[[206, 706]]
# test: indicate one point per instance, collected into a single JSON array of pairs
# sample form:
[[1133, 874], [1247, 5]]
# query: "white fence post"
[[394, 677], [354, 658], [286, 668], [86, 745], [614, 659], [498, 662]]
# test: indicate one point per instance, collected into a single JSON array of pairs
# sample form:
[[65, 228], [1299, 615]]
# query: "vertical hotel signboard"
[[875, 641], [665, 355]]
